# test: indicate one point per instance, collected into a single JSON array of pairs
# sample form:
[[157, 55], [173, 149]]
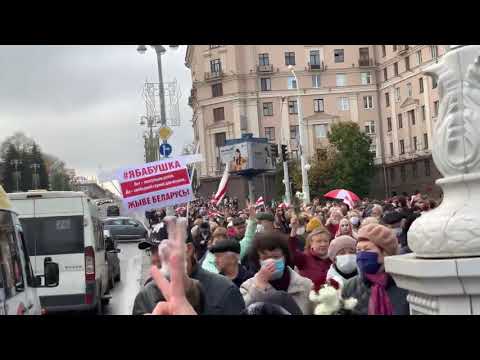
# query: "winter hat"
[[313, 224], [381, 236], [339, 243]]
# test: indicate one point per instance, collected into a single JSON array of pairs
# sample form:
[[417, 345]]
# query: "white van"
[[18, 286], [64, 227]]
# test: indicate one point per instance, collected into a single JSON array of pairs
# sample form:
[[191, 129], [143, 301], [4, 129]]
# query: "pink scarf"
[[379, 303]]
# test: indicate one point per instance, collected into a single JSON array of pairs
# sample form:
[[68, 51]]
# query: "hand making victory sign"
[[174, 290]]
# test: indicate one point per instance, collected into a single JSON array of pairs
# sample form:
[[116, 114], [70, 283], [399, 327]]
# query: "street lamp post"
[[303, 142], [16, 162], [35, 180]]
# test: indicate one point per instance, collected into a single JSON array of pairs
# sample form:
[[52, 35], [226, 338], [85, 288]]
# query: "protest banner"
[[155, 185]]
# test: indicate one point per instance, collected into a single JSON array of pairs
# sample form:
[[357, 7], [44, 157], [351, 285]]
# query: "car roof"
[[46, 194], [118, 218]]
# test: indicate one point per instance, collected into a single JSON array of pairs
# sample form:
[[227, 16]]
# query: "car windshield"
[[54, 235]]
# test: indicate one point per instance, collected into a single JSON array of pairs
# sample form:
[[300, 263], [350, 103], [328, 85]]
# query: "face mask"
[[367, 262], [260, 228], [347, 263], [354, 221], [279, 267]]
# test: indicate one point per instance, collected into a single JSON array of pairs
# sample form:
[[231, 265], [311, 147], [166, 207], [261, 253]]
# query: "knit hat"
[[313, 224], [381, 236], [339, 243]]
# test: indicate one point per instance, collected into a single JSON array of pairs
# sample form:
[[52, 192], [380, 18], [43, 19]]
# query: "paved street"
[[125, 291]]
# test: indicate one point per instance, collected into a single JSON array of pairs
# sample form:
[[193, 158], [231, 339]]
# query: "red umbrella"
[[342, 194]]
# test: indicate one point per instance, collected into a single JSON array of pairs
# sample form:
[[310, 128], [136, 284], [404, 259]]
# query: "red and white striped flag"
[[348, 200], [260, 202], [222, 188]]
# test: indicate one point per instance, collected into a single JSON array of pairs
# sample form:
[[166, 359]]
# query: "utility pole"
[[35, 180], [16, 162]]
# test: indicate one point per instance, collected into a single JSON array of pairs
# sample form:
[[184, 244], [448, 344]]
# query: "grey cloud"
[[83, 103]]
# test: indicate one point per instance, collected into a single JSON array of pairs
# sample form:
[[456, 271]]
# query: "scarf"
[[284, 282], [379, 302]]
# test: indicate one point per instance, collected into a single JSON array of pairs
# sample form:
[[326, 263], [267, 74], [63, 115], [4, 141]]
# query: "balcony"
[[365, 62], [402, 49], [210, 76], [316, 67], [265, 68]]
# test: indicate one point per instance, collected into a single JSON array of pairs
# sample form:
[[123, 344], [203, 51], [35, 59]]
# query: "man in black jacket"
[[216, 294]]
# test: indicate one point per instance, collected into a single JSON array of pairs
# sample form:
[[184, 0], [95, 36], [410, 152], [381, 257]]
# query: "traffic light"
[[274, 150], [284, 153]]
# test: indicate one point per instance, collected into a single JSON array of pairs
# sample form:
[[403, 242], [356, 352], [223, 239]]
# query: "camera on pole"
[[284, 153]]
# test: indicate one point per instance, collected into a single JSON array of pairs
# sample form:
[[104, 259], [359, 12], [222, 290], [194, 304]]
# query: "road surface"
[[124, 292]]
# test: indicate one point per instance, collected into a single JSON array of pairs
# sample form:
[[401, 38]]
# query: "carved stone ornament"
[[453, 228]]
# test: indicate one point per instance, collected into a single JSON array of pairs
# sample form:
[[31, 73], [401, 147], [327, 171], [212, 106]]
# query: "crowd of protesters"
[[268, 260]]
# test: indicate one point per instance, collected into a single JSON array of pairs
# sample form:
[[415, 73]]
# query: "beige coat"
[[299, 289]]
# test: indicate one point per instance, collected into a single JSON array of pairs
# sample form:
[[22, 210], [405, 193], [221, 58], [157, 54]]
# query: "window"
[[342, 104], [318, 105], [414, 170], [218, 114], [366, 78], [289, 58], [392, 152], [373, 147], [294, 134], [292, 83], [395, 69], [263, 59], [425, 141], [220, 139], [266, 84], [368, 102], [268, 109], [364, 56], [400, 121], [338, 55], [402, 147], [434, 51], [423, 113], [370, 127], [341, 79], [435, 108], [427, 167], [389, 124], [214, 46], [384, 51], [387, 99], [420, 84], [409, 89], [385, 74], [315, 81], [270, 133], [397, 94], [434, 83], [292, 107], [321, 131], [407, 63], [392, 174], [314, 57], [419, 57], [415, 145], [411, 117], [215, 66], [217, 90], [403, 173], [394, 47]]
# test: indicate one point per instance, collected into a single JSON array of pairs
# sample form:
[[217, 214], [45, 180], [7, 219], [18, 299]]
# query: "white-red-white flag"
[[222, 188], [348, 200], [260, 202]]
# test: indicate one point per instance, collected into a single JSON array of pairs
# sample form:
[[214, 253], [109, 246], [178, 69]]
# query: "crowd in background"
[[268, 260]]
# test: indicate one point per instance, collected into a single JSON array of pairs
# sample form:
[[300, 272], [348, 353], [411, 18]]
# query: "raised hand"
[[174, 290]]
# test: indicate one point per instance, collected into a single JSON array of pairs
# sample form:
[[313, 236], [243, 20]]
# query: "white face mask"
[[260, 228], [347, 263]]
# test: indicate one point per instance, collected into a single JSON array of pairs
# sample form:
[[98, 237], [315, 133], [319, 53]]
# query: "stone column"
[[443, 273]]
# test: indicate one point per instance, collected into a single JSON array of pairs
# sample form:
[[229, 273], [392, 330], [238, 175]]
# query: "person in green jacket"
[[244, 234]]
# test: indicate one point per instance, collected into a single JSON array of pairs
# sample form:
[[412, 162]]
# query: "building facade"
[[249, 89]]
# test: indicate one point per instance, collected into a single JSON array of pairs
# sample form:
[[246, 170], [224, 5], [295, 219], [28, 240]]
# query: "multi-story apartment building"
[[241, 89]]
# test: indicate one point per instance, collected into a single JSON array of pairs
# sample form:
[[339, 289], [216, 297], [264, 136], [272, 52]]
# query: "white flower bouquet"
[[329, 300]]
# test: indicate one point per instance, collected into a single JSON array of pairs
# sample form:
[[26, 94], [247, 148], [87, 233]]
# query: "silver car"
[[125, 228]]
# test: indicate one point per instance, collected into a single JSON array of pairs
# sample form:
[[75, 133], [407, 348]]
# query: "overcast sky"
[[83, 103]]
